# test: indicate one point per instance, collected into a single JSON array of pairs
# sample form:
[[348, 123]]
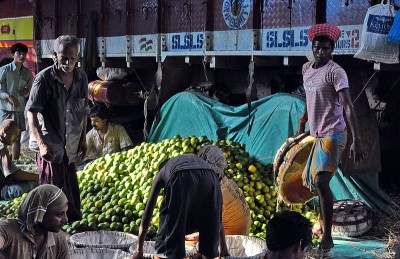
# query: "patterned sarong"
[[324, 157]]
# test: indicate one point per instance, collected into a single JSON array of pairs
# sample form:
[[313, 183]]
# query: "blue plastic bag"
[[394, 33]]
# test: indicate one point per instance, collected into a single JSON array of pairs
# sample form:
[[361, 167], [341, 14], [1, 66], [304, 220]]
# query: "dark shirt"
[[61, 113], [183, 162]]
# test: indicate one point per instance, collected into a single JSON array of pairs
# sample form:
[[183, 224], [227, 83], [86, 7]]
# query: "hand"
[[357, 152], [300, 129], [46, 153], [82, 148], [23, 91], [14, 102], [192, 237], [224, 252], [137, 255]]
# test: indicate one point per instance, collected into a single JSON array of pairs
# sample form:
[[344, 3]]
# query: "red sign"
[[5, 29]]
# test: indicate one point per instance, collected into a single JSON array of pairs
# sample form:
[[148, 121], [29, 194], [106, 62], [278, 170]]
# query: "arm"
[[3, 89], [82, 148], [4, 94], [126, 148], [356, 148], [34, 126], [125, 141], [222, 242], [89, 146], [303, 121], [25, 91], [151, 203]]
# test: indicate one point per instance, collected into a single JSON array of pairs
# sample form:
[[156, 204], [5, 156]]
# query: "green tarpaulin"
[[276, 118]]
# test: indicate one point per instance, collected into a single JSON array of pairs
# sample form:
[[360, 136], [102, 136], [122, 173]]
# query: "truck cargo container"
[[201, 42]]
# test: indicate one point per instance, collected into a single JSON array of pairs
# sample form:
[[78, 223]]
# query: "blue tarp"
[[355, 248], [276, 118]]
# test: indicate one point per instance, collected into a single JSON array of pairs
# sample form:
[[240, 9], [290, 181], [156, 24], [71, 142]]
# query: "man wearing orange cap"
[[327, 95]]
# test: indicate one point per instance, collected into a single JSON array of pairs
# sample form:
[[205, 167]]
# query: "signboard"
[[296, 39], [13, 30], [193, 41]]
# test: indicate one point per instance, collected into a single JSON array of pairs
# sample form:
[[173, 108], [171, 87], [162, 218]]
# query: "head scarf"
[[214, 156], [324, 29], [39, 200]]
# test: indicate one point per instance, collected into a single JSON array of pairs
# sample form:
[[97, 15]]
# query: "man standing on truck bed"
[[327, 95], [57, 117], [15, 82]]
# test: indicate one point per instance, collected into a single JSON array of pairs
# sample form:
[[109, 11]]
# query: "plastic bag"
[[394, 33], [111, 73], [374, 42]]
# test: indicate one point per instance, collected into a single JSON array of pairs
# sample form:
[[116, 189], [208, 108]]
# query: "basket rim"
[[101, 250], [79, 244], [192, 250], [257, 240]]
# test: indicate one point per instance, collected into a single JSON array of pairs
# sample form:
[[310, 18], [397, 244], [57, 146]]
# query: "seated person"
[[288, 235], [13, 181], [105, 137], [236, 216], [35, 233]]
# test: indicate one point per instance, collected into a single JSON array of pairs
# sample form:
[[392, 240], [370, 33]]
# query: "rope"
[[204, 61], [390, 89], [366, 85]]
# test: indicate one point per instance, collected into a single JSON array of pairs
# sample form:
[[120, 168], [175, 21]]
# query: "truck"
[[224, 47]]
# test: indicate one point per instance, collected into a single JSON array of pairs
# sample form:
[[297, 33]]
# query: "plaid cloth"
[[324, 29], [214, 156], [36, 203]]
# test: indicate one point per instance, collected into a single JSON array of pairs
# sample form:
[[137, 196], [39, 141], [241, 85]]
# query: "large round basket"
[[289, 164], [98, 253], [350, 218], [245, 247], [103, 239], [149, 250]]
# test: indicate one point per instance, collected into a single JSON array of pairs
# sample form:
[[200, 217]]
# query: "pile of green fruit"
[[115, 188], [27, 164], [8, 209]]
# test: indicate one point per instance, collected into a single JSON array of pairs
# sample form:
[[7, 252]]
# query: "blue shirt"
[[11, 79]]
